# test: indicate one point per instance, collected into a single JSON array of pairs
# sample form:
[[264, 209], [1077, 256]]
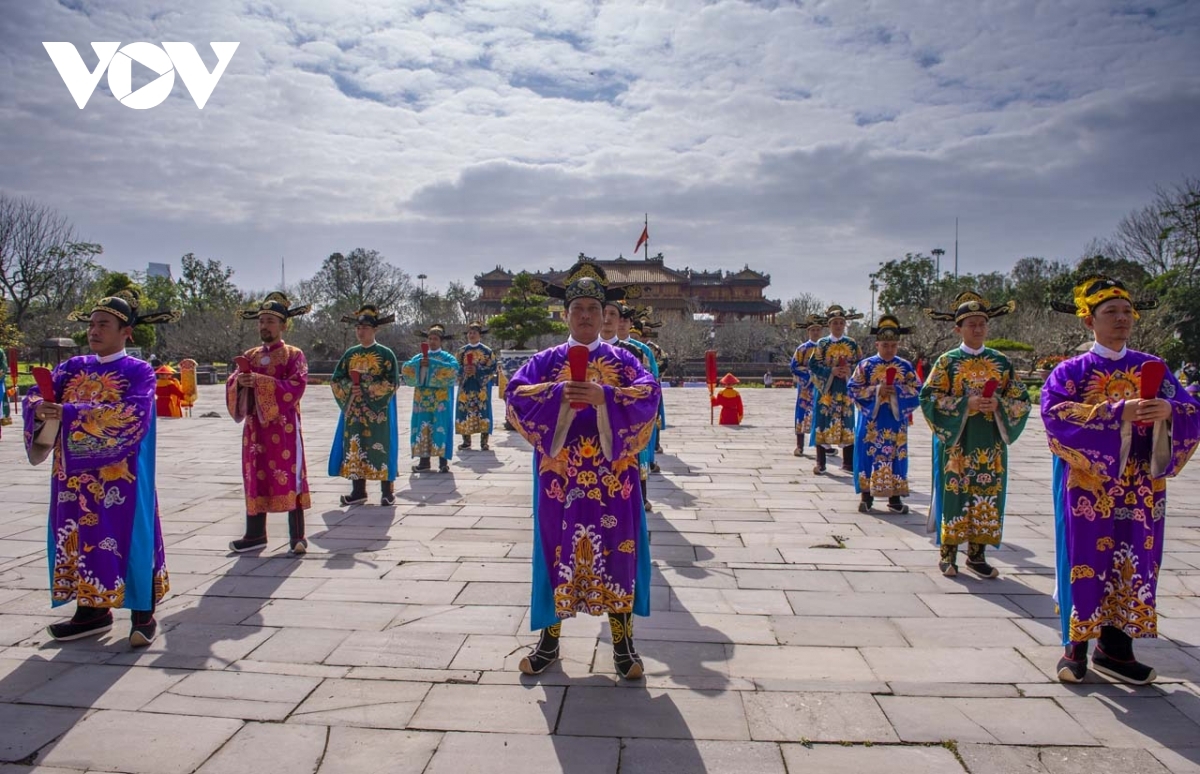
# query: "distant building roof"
[[159, 270]]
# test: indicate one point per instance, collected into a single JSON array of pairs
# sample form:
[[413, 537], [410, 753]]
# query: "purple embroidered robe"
[[273, 467], [591, 548], [104, 539], [1110, 491]]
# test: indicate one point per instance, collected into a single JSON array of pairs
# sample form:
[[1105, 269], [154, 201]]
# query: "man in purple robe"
[[1113, 452], [591, 548], [105, 539]]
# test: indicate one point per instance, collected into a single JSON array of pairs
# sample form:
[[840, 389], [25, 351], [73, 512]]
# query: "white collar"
[[970, 351], [113, 357], [611, 342], [571, 342], [833, 338], [1107, 353], [435, 351]]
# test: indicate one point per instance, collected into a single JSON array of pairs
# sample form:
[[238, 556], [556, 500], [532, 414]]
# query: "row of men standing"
[[1113, 451]]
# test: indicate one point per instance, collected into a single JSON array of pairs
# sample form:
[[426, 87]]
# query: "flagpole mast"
[[647, 229]]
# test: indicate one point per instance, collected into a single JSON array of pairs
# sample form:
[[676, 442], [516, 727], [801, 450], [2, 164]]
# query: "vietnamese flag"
[[645, 237]]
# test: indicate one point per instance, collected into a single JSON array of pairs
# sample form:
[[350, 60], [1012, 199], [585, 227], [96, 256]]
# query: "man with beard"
[[265, 391]]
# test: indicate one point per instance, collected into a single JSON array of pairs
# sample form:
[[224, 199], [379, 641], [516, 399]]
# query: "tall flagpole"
[[646, 225], [282, 273], [956, 247]]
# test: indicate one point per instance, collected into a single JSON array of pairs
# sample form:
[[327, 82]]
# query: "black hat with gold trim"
[[837, 311], [812, 321], [971, 304], [276, 304], [368, 314], [478, 327], [125, 305], [1094, 291], [437, 329], [587, 279], [889, 328]]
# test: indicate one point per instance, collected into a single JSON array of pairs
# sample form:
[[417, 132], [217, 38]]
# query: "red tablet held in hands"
[[577, 357]]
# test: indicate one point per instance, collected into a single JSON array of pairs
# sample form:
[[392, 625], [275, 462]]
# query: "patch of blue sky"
[[600, 89], [868, 118], [793, 94]]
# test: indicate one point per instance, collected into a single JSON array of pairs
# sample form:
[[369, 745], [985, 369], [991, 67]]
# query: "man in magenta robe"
[[591, 548], [1113, 452], [105, 539], [265, 392]]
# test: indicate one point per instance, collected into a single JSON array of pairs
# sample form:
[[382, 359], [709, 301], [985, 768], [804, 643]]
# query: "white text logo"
[[118, 61]]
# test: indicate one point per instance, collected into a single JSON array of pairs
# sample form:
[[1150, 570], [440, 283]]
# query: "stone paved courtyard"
[[790, 633]]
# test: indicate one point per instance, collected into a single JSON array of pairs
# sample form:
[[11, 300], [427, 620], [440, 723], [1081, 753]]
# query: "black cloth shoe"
[[483, 442], [255, 537], [297, 545], [1129, 671], [466, 443], [947, 562], [896, 506], [358, 493], [544, 653], [866, 503], [625, 658], [387, 493], [848, 459], [421, 466], [977, 564], [658, 449], [654, 468], [443, 465], [822, 453], [86, 622], [144, 629], [1072, 667]]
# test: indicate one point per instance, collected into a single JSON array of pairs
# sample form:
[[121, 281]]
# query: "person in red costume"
[[168, 393], [730, 401]]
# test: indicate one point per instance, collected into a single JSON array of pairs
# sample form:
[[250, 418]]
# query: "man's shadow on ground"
[[68, 680]]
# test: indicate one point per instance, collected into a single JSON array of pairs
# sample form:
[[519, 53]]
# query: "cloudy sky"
[[811, 140]]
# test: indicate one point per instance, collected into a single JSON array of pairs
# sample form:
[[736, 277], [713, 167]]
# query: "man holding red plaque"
[[364, 382], [831, 363], [477, 374], [265, 391], [887, 391], [976, 406], [95, 414], [432, 373], [587, 408], [1113, 454]]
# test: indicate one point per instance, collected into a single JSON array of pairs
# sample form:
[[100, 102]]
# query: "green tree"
[[908, 282], [206, 284], [525, 316]]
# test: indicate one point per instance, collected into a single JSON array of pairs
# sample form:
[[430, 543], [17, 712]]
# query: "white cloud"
[[810, 140]]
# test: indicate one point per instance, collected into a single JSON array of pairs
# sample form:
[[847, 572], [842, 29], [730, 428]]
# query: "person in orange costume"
[[168, 393], [730, 401]]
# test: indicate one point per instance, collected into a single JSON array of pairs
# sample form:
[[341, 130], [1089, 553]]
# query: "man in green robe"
[[364, 384], [971, 435], [473, 410], [5, 419], [432, 374]]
